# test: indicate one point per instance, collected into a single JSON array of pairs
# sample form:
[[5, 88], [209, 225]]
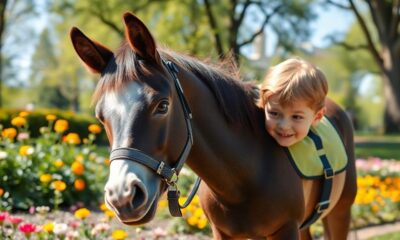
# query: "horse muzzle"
[[127, 195]]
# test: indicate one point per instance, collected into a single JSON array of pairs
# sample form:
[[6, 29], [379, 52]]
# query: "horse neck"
[[219, 149]]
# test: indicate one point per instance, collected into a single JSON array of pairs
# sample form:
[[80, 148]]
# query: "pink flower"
[[159, 232], [15, 220], [32, 210], [74, 224], [27, 228], [3, 216]]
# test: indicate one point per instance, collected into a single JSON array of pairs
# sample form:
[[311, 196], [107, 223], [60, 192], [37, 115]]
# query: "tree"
[[287, 19], [13, 15], [382, 41]]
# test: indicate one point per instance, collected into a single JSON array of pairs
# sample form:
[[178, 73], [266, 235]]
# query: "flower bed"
[[63, 170]]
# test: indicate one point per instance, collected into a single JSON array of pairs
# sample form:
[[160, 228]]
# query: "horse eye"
[[163, 107]]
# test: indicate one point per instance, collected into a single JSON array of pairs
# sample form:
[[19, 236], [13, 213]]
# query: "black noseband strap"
[[136, 155]]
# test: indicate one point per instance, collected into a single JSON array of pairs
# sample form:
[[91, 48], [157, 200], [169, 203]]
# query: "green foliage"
[[30, 167]]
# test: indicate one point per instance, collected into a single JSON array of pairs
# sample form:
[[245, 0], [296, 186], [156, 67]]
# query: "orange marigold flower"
[[79, 184], [26, 150], [1, 192], [45, 178], [94, 128], [61, 125], [77, 168], [59, 185], [23, 114], [72, 138], [82, 213], [51, 117], [107, 161], [18, 121], [9, 133]]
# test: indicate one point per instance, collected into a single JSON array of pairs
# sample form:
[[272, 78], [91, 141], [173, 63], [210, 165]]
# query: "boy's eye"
[[297, 117], [272, 113]]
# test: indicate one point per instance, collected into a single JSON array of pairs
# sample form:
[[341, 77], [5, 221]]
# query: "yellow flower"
[[61, 125], [72, 138], [24, 114], [163, 203], [9, 133], [18, 121], [119, 234], [79, 184], [45, 178], [51, 117], [202, 223], [79, 158], [77, 168], [109, 213], [103, 207], [48, 227], [1, 192], [192, 220], [82, 213], [107, 161], [198, 212], [58, 163], [59, 185], [26, 150], [94, 128]]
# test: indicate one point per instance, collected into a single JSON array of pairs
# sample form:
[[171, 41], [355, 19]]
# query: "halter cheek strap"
[[166, 172]]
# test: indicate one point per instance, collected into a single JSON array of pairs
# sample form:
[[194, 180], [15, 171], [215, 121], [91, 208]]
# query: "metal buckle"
[[160, 168], [328, 172], [174, 178], [322, 206]]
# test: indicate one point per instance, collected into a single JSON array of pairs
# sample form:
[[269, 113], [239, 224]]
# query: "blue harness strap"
[[324, 201]]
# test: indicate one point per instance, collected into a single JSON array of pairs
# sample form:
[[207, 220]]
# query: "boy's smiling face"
[[290, 124]]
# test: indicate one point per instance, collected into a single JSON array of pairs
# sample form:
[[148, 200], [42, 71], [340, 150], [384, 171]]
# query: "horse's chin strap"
[[167, 173]]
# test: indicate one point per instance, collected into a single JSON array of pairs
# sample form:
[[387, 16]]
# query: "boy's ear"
[[319, 115]]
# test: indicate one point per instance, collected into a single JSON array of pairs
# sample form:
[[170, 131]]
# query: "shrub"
[[36, 119], [56, 168]]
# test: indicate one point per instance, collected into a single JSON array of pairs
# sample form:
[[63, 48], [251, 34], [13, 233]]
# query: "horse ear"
[[139, 38], [93, 54]]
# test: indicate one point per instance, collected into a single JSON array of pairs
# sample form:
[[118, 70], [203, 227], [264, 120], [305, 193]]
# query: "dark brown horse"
[[249, 188]]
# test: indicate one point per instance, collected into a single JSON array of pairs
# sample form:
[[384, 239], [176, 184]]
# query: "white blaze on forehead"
[[123, 101]]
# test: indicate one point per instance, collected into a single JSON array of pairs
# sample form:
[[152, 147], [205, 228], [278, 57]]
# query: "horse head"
[[138, 104]]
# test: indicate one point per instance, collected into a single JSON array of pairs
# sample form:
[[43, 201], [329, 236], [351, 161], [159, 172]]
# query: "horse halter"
[[167, 173]]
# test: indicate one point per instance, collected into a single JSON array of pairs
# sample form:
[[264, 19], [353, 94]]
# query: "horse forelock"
[[123, 68], [236, 99]]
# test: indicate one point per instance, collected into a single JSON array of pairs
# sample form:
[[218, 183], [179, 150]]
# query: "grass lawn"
[[389, 236], [385, 147]]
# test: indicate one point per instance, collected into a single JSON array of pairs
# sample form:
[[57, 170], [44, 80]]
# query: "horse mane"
[[236, 98]]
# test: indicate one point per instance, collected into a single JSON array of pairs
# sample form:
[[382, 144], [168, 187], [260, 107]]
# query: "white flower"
[[3, 154], [72, 235], [99, 228], [60, 228]]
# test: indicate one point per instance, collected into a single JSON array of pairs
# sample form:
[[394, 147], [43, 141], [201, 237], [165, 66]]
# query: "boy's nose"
[[283, 124]]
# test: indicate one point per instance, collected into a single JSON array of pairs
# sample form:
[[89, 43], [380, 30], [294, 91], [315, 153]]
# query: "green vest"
[[306, 158]]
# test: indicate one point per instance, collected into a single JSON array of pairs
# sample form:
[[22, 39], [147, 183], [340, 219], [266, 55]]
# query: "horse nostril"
[[139, 194]]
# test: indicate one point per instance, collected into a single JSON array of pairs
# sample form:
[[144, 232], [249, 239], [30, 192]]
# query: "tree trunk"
[[392, 99], [3, 4]]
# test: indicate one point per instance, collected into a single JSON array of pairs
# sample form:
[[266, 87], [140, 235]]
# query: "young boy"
[[293, 96]]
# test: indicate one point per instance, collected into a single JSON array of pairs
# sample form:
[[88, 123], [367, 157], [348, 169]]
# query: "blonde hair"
[[295, 79]]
